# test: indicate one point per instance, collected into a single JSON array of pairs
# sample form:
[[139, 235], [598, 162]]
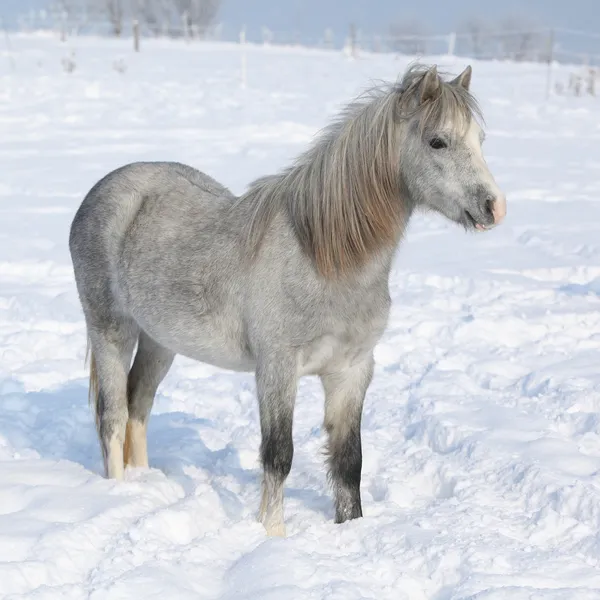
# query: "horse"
[[289, 279]]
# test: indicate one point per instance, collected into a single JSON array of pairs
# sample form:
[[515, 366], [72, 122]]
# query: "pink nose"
[[499, 209]]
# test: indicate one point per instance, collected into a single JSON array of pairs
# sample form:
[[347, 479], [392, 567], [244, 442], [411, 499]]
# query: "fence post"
[[451, 43], [63, 26], [592, 82], [267, 35], [352, 40], [550, 61], [243, 66], [377, 43], [9, 53], [185, 21], [136, 35]]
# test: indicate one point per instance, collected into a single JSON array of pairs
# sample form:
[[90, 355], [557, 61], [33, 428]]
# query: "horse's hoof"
[[276, 530]]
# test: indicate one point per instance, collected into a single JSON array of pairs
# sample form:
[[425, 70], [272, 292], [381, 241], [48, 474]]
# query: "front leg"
[[276, 381], [344, 396]]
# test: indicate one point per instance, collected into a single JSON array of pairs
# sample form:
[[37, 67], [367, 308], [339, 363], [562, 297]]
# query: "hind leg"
[[152, 363], [112, 348]]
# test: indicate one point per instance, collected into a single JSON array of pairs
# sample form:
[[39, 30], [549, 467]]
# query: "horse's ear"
[[464, 79], [430, 85]]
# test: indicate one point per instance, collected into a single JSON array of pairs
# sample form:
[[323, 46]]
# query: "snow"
[[481, 431]]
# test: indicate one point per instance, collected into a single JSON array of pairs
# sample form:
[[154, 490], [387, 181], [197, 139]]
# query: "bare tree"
[[477, 33], [156, 16], [407, 37], [69, 8], [166, 17], [198, 15], [115, 11], [519, 39], [69, 15]]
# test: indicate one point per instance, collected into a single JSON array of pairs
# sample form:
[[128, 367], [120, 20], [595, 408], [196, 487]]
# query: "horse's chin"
[[471, 224], [459, 216]]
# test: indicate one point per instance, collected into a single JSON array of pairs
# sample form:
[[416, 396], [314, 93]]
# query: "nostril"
[[489, 207]]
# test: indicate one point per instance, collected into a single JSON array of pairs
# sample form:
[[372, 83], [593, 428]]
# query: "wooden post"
[[267, 35], [243, 69], [578, 85], [9, 53], [136, 35], [353, 40], [63, 26], [550, 61], [377, 43], [185, 21], [451, 43], [592, 82]]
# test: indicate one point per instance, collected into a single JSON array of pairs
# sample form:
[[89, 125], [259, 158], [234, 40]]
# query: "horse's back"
[[156, 243], [115, 199], [111, 206]]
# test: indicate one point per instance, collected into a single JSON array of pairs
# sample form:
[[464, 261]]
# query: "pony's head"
[[440, 152], [416, 143]]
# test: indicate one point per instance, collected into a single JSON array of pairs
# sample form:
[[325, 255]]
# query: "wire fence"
[[475, 39], [580, 49]]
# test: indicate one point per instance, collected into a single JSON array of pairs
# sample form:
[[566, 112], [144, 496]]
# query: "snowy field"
[[481, 431]]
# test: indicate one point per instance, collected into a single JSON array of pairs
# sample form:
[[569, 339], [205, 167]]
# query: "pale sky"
[[309, 18]]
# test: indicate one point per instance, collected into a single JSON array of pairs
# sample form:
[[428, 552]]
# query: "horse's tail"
[[93, 388]]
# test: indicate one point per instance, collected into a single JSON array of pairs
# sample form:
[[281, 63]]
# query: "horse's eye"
[[437, 143]]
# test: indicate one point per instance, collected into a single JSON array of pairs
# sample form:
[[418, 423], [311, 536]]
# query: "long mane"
[[343, 196]]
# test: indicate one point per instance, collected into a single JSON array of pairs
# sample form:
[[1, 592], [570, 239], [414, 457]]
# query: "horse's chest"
[[346, 344]]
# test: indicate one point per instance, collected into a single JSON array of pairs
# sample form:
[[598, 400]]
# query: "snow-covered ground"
[[481, 431]]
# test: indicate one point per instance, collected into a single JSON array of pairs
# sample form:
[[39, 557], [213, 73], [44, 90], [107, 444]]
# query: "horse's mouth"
[[472, 223]]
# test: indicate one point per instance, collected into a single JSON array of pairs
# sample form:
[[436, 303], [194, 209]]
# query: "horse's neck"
[[378, 269], [374, 273]]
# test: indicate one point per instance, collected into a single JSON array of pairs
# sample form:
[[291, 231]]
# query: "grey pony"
[[289, 279]]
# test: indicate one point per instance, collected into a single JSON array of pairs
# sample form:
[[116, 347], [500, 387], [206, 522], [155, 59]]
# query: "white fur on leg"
[[135, 450], [275, 529], [271, 510], [114, 459]]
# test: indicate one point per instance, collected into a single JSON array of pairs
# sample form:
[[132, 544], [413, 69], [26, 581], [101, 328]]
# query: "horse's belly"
[[204, 341], [218, 358]]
